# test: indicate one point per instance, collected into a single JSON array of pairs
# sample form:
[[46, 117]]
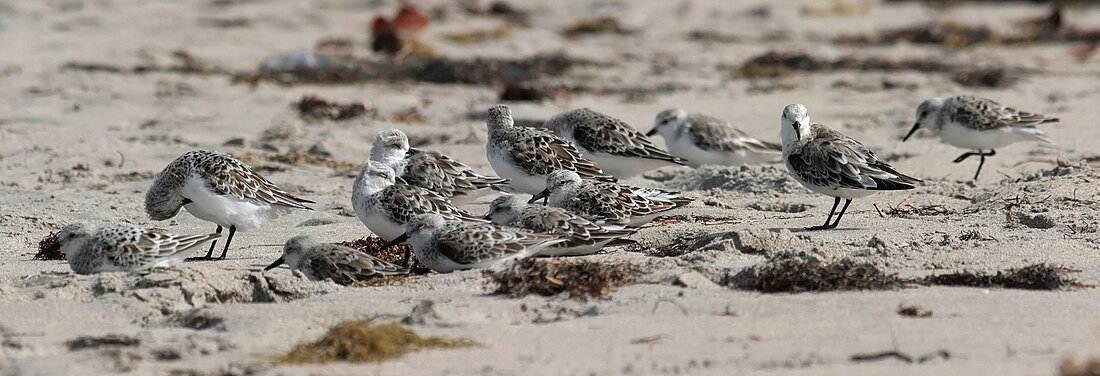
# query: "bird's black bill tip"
[[651, 132], [911, 131], [275, 264], [545, 193], [398, 240]]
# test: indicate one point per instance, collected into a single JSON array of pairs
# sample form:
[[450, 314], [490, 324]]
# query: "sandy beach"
[[98, 96]]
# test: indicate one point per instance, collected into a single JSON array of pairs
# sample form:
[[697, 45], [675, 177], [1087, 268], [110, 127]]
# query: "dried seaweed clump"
[[799, 272], [775, 64], [362, 341], [297, 158], [374, 246], [581, 279], [1033, 277], [596, 25], [49, 248], [314, 108]]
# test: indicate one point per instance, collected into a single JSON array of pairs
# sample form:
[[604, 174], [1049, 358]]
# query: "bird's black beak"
[[651, 132], [544, 194], [186, 201], [398, 240], [911, 131], [488, 216], [275, 264]]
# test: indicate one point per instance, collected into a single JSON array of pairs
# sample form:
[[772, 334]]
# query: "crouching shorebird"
[[525, 156], [431, 170], [617, 147], [123, 247], [606, 201], [830, 163], [343, 265], [584, 236], [703, 140], [216, 187], [979, 124], [445, 246]]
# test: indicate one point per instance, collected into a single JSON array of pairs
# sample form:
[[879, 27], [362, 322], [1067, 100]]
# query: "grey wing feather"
[[834, 160], [446, 176], [230, 176], [538, 152], [604, 134], [404, 201], [985, 114], [710, 133]]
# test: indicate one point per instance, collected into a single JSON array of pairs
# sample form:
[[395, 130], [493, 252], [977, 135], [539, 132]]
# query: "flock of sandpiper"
[[572, 165]]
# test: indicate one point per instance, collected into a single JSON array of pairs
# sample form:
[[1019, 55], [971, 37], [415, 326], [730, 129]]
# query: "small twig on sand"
[[123, 157]]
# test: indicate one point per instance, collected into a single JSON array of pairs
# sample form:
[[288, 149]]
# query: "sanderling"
[[343, 265], [525, 156], [585, 237], [123, 247], [606, 201], [385, 205], [977, 123], [445, 245], [432, 170], [703, 140], [614, 145], [216, 187], [830, 163]]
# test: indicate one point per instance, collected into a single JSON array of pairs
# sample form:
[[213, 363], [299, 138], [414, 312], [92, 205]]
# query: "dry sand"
[[80, 145]]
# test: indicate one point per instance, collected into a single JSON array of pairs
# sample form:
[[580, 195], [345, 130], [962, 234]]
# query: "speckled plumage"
[[343, 265], [703, 139], [612, 143], [431, 170], [607, 201], [124, 247], [446, 246], [526, 155], [584, 236], [828, 162], [384, 204]]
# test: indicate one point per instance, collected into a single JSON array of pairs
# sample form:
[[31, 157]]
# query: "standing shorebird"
[[123, 247], [832, 164], [216, 187], [606, 201], [618, 148], [432, 170], [703, 140], [585, 237], [445, 246], [525, 156], [977, 123], [343, 265]]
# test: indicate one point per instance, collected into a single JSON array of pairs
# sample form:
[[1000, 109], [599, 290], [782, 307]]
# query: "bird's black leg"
[[829, 219], [209, 252], [967, 155], [232, 230], [982, 162], [842, 210]]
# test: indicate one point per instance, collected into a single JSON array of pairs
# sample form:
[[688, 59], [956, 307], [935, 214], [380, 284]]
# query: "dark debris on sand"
[[779, 64], [1033, 277], [800, 273], [373, 245], [111, 340], [49, 249], [581, 279], [314, 108]]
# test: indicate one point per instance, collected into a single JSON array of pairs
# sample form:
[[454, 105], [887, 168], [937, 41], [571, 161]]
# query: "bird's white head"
[[505, 209], [424, 224], [389, 146], [795, 124], [500, 116], [928, 114], [668, 122], [72, 237], [294, 249], [373, 177], [559, 179]]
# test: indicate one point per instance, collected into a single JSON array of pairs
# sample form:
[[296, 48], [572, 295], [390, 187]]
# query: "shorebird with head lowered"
[[617, 147], [832, 164], [448, 245], [609, 202], [703, 140], [979, 124], [124, 247], [216, 187], [525, 156]]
